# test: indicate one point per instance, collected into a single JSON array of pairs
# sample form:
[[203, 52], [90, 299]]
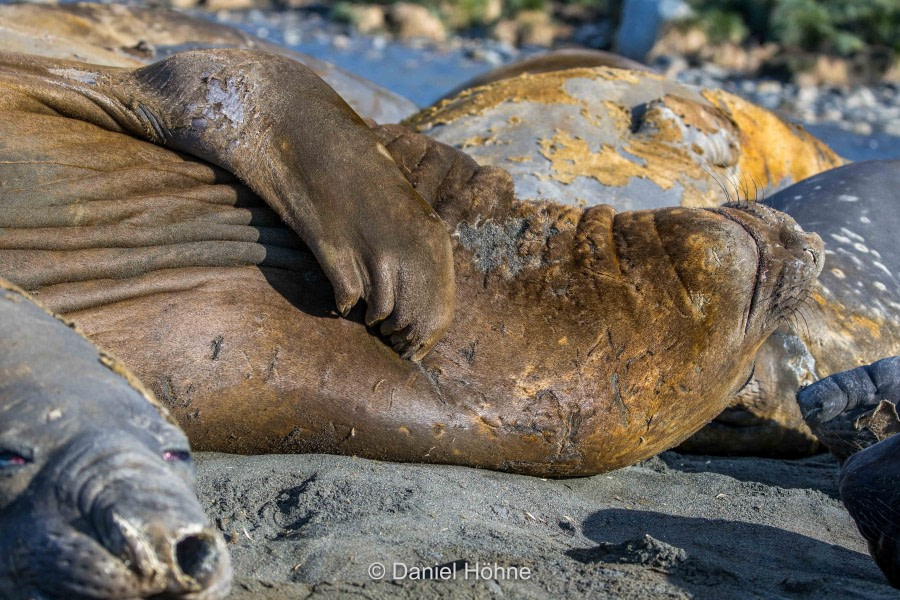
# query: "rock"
[[340, 41], [493, 10], [892, 75], [861, 128], [460, 15], [182, 4], [506, 31], [414, 21], [738, 58], [643, 21], [594, 35], [535, 28], [233, 4], [892, 127], [645, 551], [827, 70], [366, 18], [529, 28]]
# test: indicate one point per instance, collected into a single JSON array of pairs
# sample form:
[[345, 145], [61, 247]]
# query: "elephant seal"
[[589, 339], [302, 149], [547, 62], [634, 140], [96, 485], [854, 413], [128, 36]]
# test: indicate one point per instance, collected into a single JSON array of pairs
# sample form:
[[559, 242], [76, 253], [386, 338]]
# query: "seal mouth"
[[784, 250]]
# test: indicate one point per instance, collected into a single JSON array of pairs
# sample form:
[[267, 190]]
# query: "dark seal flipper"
[[870, 489], [855, 409]]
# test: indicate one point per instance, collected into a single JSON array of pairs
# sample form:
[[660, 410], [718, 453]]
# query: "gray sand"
[[673, 527]]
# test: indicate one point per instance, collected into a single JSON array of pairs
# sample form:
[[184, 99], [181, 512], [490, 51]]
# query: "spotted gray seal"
[[853, 316]]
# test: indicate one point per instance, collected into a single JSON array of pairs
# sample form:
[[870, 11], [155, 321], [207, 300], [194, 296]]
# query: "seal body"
[[547, 62], [634, 140], [852, 318], [870, 489], [855, 318], [96, 487], [617, 332]]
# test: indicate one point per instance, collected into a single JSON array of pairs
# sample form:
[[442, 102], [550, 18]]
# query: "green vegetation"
[[841, 27], [838, 27]]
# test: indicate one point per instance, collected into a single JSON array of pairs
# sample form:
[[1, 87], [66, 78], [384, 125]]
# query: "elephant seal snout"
[[96, 480]]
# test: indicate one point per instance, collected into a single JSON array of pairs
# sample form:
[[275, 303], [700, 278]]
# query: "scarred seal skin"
[[636, 140], [127, 36], [854, 413], [586, 339], [96, 487]]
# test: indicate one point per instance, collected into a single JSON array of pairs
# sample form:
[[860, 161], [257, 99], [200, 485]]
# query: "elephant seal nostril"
[[197, 556]]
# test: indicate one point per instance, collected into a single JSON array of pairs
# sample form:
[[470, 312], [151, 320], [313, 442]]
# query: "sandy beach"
[[675, 526]]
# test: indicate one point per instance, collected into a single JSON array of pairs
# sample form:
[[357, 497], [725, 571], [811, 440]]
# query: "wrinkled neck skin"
[[96, 486], [652, 320], [635, 307]]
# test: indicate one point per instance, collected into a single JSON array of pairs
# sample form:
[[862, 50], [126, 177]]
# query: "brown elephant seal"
[[852, 318], [587, 339], [634, 140], [96, 485], [854, 413], [127, 36]]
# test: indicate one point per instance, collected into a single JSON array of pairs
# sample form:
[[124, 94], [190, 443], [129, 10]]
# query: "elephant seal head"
[[96, 483]]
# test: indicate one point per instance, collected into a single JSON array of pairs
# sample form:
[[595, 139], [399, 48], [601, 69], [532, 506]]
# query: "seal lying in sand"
[[855, 414], [636, 140], [588, 340], [672, 128], [96, 485]]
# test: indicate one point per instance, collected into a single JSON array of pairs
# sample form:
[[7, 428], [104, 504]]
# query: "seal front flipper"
[[281, 129], [855, 409], [854, 413]]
